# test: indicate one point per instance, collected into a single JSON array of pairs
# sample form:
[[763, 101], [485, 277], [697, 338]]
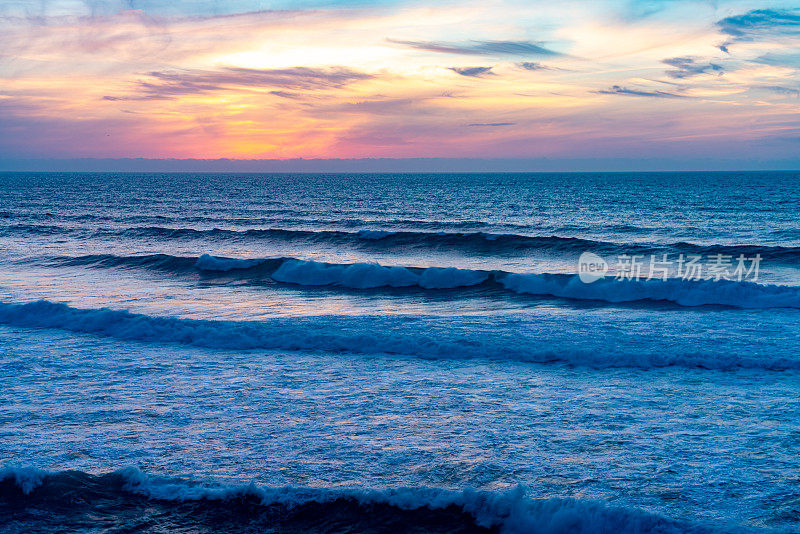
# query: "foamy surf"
[[419, 337], [127, 496], [388, 336], [308, 273]]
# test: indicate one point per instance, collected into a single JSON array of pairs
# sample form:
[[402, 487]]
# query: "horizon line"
[[394, 165]]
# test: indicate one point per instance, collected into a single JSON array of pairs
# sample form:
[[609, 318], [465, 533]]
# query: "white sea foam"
[[511, 511], [372, 275], [742, 294], [374, 234], [684, 292], [365, 335], [207, 262]]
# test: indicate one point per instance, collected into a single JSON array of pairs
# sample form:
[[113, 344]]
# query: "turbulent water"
[[398, 353]]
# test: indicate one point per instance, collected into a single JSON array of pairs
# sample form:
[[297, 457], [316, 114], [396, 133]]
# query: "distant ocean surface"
[[398, 353]]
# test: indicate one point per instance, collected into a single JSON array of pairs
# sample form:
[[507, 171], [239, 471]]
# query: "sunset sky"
[[326, 79]]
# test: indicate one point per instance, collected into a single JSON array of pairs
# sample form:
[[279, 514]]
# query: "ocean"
[[548, 353]]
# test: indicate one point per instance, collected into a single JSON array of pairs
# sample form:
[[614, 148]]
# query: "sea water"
[[391, 353]]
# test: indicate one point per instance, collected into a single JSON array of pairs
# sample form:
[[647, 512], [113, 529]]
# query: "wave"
[[475, 242], [382, 238], [308, 273], [450, 338], [129, 499], [369, 276], [678, 291]]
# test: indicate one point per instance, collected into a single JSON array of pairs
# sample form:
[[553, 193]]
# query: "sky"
[[673, 80]]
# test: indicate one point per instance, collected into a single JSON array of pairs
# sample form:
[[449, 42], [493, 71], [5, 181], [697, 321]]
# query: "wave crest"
[[682, 292], [387, 239], [73, 498], [368, 275], [428, 339], [308, 273]]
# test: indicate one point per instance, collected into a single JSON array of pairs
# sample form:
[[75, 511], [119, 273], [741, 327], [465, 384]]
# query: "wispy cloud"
[[481, 48], [142, 97], [532, 65], [376, 106], [169, 84], [473, 72], [781, 90], [619, 90], [286, 94], [181, 78], [164, 8], [787, 58], [761, 20], [686, 67], [759, 24]]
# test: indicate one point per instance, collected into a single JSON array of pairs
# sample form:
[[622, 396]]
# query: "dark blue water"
[[295, 353]]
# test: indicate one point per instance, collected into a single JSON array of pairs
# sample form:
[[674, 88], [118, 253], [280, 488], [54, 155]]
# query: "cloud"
[[686, 67], [481, 48], [532, 65], [130, 98], [29, 129], [640, 9], [761, 23], [781, 90], [618, 90], [474, 72], [169, 84], [787, 58], [492, 124], [286, 94], [378, 106], [761, 20], [161, 8]]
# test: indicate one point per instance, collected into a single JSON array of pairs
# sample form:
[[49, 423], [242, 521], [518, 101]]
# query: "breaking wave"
[[682, 292], [475, 241], [374, 276], [34, 500], [408, 336]]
